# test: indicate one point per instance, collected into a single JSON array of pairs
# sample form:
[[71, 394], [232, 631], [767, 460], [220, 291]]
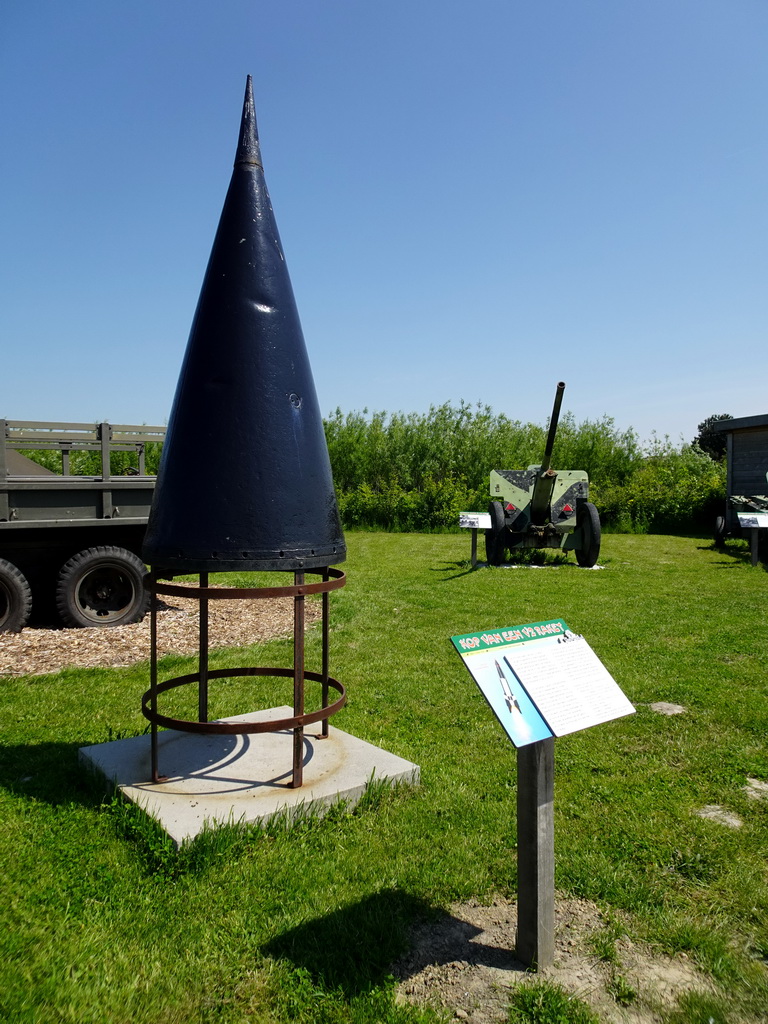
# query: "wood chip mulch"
[[231, 624]]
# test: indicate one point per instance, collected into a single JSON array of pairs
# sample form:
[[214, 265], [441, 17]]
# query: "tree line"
[[417, 471]]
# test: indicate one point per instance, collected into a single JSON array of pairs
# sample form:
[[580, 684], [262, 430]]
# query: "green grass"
[[101, 920], [547, 1003]]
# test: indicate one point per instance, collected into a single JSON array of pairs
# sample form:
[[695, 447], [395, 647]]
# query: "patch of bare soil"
[[465, 963], [231, 624]]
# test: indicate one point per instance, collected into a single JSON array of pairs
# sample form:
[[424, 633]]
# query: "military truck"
[[71, 529]]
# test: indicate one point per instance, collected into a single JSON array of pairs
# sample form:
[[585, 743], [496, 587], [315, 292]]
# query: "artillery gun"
[[540, 507]]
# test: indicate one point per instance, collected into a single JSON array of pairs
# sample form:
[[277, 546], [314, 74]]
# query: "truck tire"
[[588, 521], [494, 538], [102, 587], [15, 598]]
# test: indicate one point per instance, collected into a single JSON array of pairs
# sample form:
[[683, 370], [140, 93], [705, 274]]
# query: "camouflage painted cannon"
[[540, 507]]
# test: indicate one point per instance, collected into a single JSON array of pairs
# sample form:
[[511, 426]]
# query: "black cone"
[[245, 479]]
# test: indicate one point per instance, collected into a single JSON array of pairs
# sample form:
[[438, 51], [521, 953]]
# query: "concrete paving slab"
[[220, 779]]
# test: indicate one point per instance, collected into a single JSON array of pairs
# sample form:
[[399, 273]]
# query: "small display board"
[[475, 520], [753, 520], [541, 680]]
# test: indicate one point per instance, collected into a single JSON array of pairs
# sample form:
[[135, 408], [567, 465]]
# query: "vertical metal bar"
[[326, 606], [105, 436], [298, 682], [5, 508], [202, 693], [65, 450], [474, 546], [142, 464], [3, 457], [535, 944], [153, 674]]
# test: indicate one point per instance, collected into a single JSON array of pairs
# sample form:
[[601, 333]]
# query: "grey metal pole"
[[535, 944]]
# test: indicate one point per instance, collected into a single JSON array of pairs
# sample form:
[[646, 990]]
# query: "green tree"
[[710, 441]]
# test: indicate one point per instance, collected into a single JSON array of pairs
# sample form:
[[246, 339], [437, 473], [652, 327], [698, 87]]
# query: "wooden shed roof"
[[742, 423]]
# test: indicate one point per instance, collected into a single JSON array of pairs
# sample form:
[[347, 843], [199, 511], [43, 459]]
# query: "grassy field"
[[101, 921]]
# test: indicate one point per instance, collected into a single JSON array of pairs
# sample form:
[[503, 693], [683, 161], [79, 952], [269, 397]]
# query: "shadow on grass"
[[458, 569], [353, 948], [357, 948], [463, 567], [738, 554], [50, 772]]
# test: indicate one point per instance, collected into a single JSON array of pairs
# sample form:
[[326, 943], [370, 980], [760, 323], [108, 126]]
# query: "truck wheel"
[[494, 538], [102, 587], [588, 521], [15, 598]]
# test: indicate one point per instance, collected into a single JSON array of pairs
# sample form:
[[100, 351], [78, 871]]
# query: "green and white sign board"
[[541, 680]]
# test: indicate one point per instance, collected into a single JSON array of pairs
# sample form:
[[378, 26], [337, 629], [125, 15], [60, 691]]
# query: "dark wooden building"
[[747, 461]]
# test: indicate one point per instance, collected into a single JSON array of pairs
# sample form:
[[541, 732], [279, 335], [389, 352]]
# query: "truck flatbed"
[[72, 524]]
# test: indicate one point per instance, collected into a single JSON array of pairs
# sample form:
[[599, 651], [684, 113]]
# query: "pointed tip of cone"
[[248, 151]]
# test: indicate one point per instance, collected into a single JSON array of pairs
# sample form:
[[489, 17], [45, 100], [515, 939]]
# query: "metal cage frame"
[[332, 579]]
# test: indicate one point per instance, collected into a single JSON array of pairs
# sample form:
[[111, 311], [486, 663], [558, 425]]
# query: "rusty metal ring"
[[337, 580], [236, 728]]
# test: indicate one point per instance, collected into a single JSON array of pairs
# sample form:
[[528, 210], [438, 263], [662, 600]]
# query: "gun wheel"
[[495, 541], [15, 598], [719, 531], [102, 586], [588, 522]]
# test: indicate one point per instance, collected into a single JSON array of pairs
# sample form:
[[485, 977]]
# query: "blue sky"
[[475, 200]]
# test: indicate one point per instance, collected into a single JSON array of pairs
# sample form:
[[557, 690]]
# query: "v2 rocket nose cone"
[[245, 480], [248, 150]]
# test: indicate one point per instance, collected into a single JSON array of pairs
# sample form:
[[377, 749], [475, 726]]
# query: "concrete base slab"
[[221, 779]]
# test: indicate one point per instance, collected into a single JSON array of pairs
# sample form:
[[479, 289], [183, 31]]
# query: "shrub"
[[672, 490], [418, 471], [465, 442], [435, 506]]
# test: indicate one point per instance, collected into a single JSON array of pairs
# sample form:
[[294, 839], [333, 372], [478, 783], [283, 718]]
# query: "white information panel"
[[569, 685], [475, 520], [753, 520], [541, 680]]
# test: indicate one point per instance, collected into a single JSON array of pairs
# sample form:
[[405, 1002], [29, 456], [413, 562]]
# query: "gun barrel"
[[553, 421]]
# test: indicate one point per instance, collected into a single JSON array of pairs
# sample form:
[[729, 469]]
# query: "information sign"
[[753, 520], [474, 520], [541, 680]]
